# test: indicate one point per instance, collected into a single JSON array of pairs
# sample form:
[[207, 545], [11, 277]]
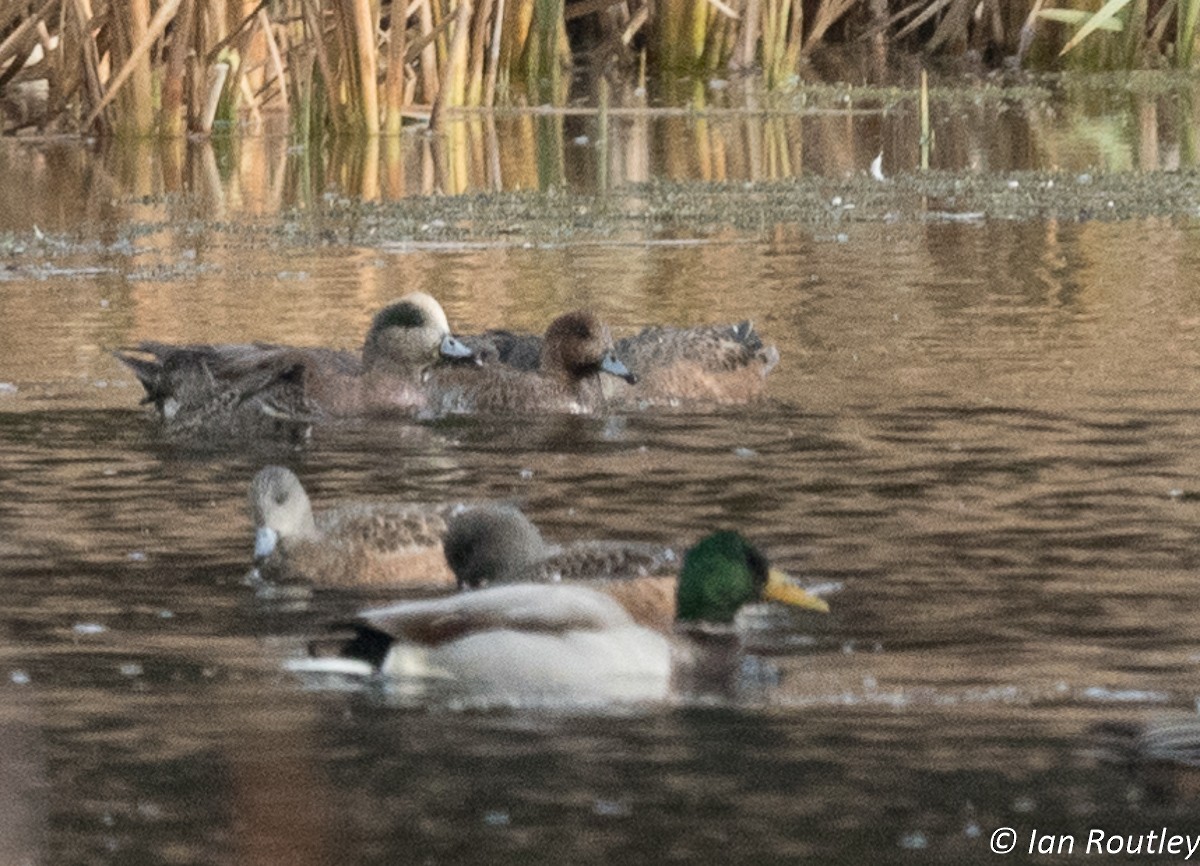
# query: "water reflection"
[[23, 812], [730, 134]]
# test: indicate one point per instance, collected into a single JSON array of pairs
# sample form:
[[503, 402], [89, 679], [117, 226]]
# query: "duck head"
[[491, 544], [280, 509], [578, 345], [410, 335], [723, 572]]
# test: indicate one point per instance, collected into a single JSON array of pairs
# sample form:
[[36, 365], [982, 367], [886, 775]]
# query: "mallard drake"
[[572, 643], [574, 352], [705, 363], [257, 388], [356, 544]]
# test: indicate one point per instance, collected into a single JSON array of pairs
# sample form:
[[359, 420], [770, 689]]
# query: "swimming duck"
[[495, 544], [709, 363], [575, 350], [706, 363], [1161, 755], [258, 387], [572, 643], [356, 544]]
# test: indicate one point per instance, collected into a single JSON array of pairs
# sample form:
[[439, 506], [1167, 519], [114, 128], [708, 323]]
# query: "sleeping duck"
[[573, 643]]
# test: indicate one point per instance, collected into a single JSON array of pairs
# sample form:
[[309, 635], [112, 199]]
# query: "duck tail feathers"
[[148, 371], [363, 643]]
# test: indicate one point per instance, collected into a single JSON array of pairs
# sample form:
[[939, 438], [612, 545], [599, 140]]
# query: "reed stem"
[[926, 134], [365, 54], [394, 81], [139, 65], [1187, 16]]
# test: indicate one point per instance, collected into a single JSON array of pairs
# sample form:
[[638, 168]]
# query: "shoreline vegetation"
[[365, 68]]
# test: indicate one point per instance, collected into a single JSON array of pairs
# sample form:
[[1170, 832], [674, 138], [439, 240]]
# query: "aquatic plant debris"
[[678, 212], [653, 213]]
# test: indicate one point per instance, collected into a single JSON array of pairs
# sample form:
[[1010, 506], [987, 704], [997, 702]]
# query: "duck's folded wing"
[[171, 371], [163, 368], [160, 365], [188, 382], [382, 528], [713, 347], [519, 607], [566, 643], [613, 560]]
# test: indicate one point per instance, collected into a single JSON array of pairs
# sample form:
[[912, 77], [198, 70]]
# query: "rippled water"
[[982, 439]]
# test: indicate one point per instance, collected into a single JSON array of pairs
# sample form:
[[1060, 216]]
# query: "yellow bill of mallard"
[[781, 588]]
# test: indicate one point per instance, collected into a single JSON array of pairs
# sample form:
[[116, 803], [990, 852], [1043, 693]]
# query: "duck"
[[721, 364], [261, 388], [570, 642], [496, 543], [716, 364], [493, 544], [575, 350], [357, 544], [1160, 755]]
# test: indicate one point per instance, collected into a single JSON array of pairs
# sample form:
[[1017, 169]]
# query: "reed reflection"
[[730, 135]]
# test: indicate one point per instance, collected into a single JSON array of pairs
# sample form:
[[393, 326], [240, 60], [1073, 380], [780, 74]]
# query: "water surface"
[[981, 440]]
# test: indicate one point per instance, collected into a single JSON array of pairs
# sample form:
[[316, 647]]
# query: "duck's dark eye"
[[280, 498], [582, 330]]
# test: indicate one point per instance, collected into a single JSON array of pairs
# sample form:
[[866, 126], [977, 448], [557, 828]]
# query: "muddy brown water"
[[981, 441]]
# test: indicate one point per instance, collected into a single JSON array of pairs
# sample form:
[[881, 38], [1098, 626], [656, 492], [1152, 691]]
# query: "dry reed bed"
[[139, 67]]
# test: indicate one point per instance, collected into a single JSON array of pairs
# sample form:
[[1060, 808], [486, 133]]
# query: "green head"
[[409, 335], [723, 572], [404, 313]]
